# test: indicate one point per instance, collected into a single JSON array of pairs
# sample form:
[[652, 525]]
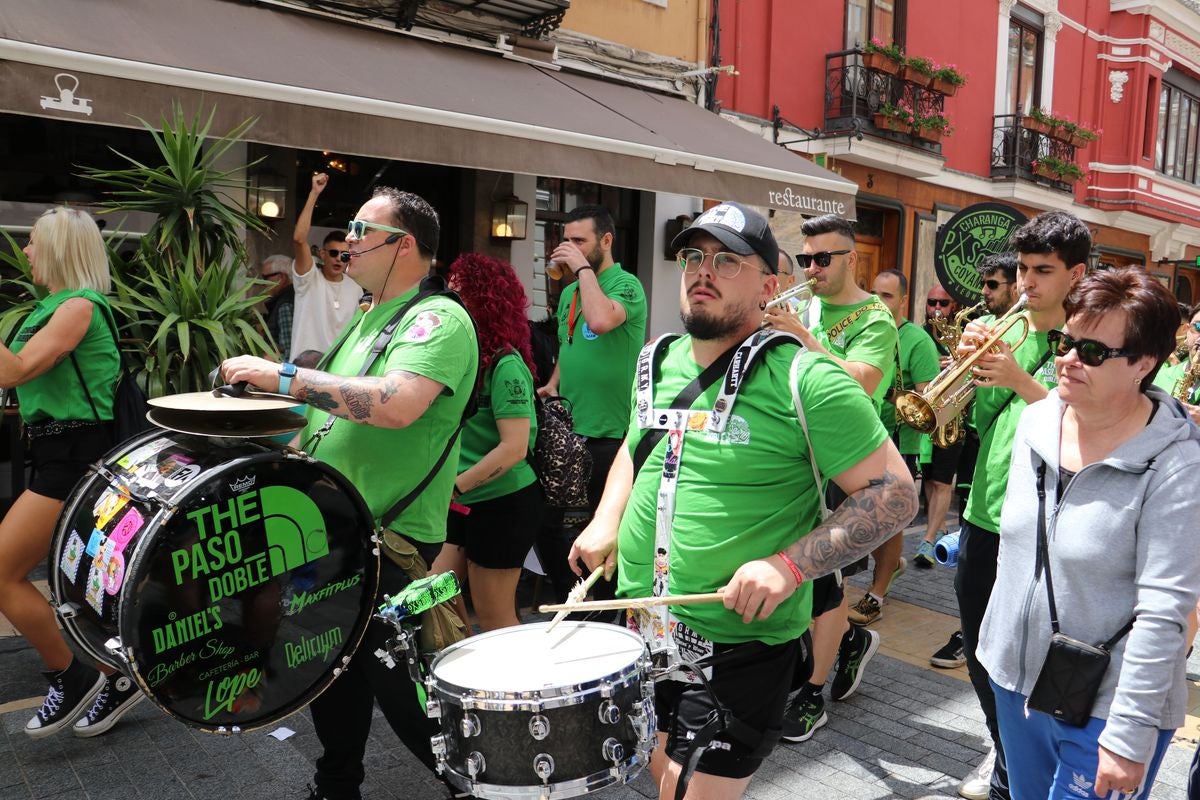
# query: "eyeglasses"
[[994, 284], [933, 301], [821, 259], [334, 252], [1090, 351], [726, 265], [358, 228]]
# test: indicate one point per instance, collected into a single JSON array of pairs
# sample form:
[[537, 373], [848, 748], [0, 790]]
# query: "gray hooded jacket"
[[1123, 543]]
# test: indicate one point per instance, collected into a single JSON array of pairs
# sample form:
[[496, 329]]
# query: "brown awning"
[[317, 84]]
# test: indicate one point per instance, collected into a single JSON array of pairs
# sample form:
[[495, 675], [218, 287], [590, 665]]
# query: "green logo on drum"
[[293, 530]]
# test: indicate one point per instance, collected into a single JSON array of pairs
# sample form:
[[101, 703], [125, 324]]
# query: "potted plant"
[[1070, 171], [882, 57], [1038, 121], [1046, 167], [947, 79], [180, 303], [1082, 136], [898, 118], [918, 70], [1063, 129], [933, 128]]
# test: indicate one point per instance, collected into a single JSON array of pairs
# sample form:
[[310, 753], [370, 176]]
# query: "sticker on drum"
[[235, 593], [72, 556], [526, 713]]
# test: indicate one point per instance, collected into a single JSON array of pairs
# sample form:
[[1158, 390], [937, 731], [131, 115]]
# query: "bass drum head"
[[238, 576]]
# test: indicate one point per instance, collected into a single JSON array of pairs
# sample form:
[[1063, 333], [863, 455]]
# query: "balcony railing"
[[1015, 149], [855, 93]]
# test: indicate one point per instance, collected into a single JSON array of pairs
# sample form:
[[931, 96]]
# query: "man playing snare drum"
[[727, 491], [385, 432]]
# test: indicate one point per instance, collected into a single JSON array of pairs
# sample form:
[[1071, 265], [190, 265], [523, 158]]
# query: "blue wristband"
[[287, 371]]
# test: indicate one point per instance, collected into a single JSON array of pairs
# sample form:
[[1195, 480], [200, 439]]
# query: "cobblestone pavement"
[[911, 731]]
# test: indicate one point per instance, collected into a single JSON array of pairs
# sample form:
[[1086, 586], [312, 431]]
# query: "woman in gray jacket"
[[1117, 459]]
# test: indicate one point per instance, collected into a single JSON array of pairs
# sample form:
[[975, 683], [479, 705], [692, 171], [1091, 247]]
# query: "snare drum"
[[530, 714], [230, 578]]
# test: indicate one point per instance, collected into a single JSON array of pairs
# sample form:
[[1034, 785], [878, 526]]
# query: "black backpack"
[[129, 401]]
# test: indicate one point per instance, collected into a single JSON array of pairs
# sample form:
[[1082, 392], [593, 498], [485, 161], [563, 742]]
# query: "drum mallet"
[[576, 596], [634, 602]]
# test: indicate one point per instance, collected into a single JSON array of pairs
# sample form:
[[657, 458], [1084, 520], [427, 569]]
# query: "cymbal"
[[207, 401], [271, 422]]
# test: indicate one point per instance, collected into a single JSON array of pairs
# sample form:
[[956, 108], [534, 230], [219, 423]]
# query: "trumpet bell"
[[916, 412]]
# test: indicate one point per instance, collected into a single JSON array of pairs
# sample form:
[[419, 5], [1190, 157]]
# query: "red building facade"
[[1127, 71]]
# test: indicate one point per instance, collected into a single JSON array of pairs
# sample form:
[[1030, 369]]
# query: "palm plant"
[[21, 294], [180, 304]]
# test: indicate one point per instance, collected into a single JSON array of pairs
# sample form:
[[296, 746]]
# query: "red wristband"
[[796, 573]]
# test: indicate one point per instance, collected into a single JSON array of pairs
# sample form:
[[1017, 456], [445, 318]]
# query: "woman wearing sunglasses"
[[1102, 473]]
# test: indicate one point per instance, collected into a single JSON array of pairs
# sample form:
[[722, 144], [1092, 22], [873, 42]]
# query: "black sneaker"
[[952, 653], [802, 716], [118, 696], [852, 658], [71, 693]]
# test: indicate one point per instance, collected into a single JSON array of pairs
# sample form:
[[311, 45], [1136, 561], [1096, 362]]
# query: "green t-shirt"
[[997, 426], [57, 393], [595, 371], [437, 340], [864, 332], [747, 494], [506, 393], [918, 364], [1171, 374]]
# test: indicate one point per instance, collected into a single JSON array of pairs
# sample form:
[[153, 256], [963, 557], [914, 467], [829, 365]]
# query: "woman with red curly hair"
[[495, 481]]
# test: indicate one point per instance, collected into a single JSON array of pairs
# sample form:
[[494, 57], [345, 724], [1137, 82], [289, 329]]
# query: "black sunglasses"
[[821, 259], [994, 284], [936, 302], [334, 252], [1090, 351]]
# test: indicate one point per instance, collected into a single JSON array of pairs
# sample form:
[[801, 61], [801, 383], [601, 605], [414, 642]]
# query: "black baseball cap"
[[743, 230]]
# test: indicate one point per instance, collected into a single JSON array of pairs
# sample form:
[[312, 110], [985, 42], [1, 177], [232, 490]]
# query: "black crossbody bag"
[[1071, 675]]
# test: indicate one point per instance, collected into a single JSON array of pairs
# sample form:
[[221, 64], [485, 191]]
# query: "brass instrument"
[[947, 395], [1188, 380], [801, 293], [947, 333]]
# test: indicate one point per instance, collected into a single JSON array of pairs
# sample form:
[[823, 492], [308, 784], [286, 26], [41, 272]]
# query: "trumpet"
[[798, 297], [947, 395], [947, 333], [1187, 381]]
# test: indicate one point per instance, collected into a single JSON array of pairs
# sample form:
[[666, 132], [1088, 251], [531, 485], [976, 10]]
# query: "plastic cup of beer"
[[555, 270]]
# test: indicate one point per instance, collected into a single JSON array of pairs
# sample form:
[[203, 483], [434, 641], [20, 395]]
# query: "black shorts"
[[910, 461], [753, 685], [827, 593], [498, 533], [60, 460], [944, 463]]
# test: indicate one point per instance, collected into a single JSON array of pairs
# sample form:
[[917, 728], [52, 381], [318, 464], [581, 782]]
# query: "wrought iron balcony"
[[1019, 145], [855, 93]]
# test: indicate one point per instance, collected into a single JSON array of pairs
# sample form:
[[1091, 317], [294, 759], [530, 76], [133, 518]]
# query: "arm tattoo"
[[358, 400], [867, 518], [392, 383], [321, 400]]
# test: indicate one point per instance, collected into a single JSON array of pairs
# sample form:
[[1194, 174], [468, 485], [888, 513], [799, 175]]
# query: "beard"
[[595, 258], [702, 325]]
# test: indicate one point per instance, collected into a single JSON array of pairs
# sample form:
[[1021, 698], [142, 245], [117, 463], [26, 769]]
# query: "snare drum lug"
[[543, 766], [113, 648], [433, 706], [613, 750], [470, 726], [609, 713], [606, 689], [68, 610], [539, 727], [438, 743], [475, 763]]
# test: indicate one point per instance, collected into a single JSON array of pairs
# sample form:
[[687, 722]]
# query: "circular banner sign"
[[965, 240]]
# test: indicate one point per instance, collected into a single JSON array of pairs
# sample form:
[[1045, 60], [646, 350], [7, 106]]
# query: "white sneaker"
[[978, 782]]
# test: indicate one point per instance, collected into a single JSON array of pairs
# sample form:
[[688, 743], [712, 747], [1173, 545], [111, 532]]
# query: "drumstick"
[[576, 596], [634, 602]]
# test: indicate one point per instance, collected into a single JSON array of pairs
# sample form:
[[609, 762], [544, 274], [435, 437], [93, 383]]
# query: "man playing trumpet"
[[729, 495]]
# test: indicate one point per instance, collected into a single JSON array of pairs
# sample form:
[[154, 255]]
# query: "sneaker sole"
[[862, 667], [73, 717], [108, 722], [945, 663], [861, 620], [820, 723]]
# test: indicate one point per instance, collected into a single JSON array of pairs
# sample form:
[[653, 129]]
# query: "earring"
[[762, 306]]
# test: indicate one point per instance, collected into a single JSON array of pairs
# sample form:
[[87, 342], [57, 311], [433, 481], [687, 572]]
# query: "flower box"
[[947, 88], [1061, 134], [1035, 125], [913, 75], [1046, 171], [881, 63], [1079, 141], [933, 135], [886, 122]]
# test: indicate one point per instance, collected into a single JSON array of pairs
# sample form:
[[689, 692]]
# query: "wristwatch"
[[287, 371]]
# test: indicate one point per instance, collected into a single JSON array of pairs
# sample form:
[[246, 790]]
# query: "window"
[[874, 19], [1175, 154], [1024, 68]]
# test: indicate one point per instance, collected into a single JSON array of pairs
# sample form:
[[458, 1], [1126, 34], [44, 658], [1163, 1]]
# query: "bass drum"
[[232, 579]]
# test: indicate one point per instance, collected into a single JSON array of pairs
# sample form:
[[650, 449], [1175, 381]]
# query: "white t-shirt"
[[322, 310]]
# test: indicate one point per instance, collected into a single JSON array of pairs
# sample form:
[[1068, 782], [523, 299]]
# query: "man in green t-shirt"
[[858, 332], [386, 431], [1052, 252], [739, 508], [1169, 375], [918, 366], [601, 329]]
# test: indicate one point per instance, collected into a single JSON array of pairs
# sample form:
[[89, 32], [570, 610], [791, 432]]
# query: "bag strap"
[[83, 383], [812, 455], [1043, 558]]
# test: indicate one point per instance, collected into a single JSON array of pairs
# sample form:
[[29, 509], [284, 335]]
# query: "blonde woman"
[[67, 257]]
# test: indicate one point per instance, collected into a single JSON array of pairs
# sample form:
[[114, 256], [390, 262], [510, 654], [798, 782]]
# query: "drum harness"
[[658, 626]]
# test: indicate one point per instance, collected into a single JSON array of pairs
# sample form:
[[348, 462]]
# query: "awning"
[[319, 85]]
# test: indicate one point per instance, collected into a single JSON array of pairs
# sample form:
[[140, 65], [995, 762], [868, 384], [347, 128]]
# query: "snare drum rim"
[[170, 508], [616, 775]]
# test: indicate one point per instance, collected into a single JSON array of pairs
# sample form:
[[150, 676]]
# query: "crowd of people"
[[758, 454]]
